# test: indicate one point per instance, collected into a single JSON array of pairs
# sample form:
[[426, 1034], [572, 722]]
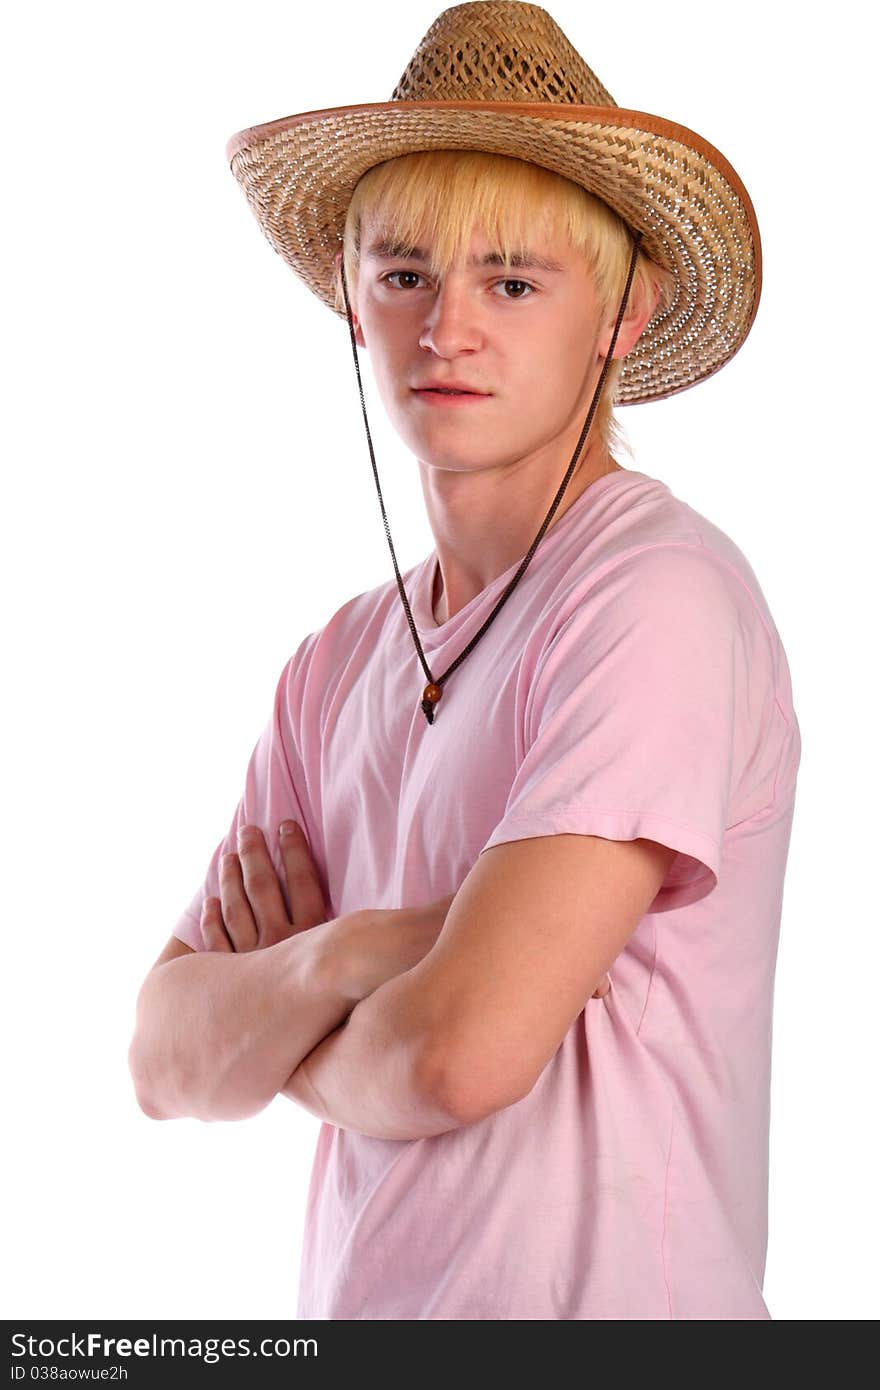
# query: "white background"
[[187, 493]]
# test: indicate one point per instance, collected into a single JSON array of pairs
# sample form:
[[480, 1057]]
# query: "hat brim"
[[695, 215]]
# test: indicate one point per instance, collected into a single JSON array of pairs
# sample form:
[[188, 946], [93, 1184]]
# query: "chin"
[[450, 460]]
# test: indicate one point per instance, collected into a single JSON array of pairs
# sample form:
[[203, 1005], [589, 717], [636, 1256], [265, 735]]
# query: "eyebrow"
[[385, 250]]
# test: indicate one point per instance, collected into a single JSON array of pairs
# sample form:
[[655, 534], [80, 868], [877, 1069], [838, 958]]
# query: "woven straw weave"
[[502, 77]]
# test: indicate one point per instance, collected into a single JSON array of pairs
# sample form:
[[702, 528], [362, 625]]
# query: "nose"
[[451, 323]]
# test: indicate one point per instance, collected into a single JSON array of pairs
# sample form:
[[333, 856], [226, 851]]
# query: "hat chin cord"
[[434, 689]]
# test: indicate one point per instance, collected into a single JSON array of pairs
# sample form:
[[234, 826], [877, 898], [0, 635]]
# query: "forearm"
[[219, 1033], [376, 1074]]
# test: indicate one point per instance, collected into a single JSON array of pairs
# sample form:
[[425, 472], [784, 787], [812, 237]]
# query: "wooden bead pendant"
[[430, 695]]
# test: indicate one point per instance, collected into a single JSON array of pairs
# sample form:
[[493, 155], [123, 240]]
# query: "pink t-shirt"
[[634, 684]]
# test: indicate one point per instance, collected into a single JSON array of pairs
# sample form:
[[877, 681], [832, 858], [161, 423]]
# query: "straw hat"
[[501, 76]]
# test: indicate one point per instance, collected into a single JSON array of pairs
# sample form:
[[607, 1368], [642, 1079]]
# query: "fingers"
[[303, 885], [238, 918], [213, 930], [251, 912], [262, 891]]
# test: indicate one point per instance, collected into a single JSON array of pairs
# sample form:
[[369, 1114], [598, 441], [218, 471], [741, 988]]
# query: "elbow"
[[426, 1106], [160, 1085], [151, 1111], [467, 1088], [147, 1062], [146, 1093], [164, 1092], [148, 1104], [161, 1074]]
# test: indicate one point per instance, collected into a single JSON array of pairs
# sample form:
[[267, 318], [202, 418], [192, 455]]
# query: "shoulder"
[[355, 635], [362, 615], [345, 625], [651, 554], [675, 594], [671, 616]]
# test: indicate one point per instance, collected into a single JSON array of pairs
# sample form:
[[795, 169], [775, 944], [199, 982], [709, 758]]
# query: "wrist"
[[335, 955]]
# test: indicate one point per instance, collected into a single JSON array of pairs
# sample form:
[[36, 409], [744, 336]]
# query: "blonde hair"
[[448, 194]]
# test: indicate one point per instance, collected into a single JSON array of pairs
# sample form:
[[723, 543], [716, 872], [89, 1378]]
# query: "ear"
[[358, 331], [639, 311]]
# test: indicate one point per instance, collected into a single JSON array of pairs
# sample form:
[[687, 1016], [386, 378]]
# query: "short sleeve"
[[272, 793], [645, 705]]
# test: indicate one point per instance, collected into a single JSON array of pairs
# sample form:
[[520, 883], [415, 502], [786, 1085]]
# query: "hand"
[[250, 913]]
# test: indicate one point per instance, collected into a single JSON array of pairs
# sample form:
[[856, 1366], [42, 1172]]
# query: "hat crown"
[[498, 50]]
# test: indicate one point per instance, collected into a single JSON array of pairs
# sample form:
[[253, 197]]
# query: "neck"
[[484, 524]]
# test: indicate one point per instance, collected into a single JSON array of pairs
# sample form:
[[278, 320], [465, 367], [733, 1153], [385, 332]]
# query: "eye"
[[391, 274], [521, 284]]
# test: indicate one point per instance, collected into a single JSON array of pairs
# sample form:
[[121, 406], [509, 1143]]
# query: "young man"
[[505, 918]]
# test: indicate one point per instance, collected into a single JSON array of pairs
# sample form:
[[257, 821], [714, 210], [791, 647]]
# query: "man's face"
[[523, 338]]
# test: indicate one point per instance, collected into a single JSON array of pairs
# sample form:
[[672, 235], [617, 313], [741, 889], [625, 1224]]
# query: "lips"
[[450, 388], [448, 398]]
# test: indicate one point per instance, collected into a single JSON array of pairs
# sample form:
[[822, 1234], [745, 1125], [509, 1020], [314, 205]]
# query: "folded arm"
[[528, 939], [219, 1032], [377, 1072]]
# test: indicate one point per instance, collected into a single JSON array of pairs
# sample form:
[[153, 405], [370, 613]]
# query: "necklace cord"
[[434, 689]]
